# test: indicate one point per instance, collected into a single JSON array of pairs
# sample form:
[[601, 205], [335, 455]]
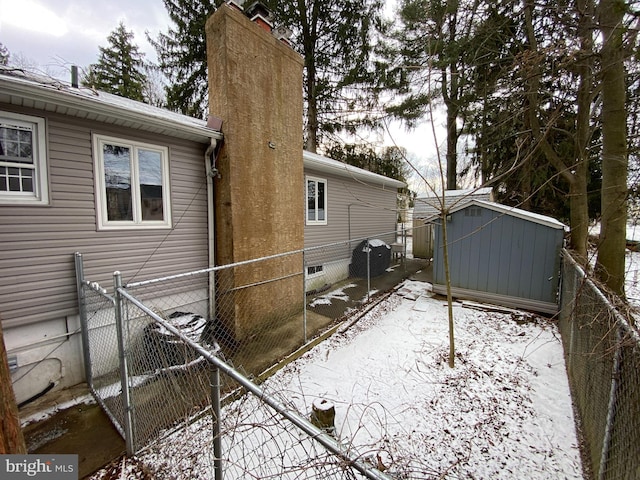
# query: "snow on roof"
[[328, 165], [517, 212], [505, 209], [426, 206], [28, 89]]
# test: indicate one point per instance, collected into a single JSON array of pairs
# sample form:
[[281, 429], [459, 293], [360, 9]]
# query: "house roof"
[[26, 89], [512, 211], [323, 164], [426, 206]]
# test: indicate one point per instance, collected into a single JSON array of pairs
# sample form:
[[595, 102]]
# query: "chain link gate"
[[161, 374]]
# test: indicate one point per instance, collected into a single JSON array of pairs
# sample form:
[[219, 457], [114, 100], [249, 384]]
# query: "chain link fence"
[[155, 349], [603, 361]]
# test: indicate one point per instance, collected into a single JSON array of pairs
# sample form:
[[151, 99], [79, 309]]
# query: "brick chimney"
[[255, 86], [261, 15]]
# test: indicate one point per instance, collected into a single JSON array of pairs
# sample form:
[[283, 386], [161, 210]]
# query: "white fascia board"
[[516, 212], [93, 103], [319, 163]]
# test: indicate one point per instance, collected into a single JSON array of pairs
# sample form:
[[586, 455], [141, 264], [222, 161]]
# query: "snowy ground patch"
[[503, 412]]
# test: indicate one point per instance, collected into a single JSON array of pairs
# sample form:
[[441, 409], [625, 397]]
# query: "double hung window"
[[316, 201], [23, 163], [132, 179]]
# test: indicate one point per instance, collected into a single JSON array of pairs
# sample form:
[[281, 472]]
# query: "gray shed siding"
[[502, 255], [428, 206], [354, 210], [38, 242]]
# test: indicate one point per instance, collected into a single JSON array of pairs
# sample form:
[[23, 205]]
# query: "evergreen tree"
[[390, 162], [430, 65], [182, 55], [335, 39], [120, 67]]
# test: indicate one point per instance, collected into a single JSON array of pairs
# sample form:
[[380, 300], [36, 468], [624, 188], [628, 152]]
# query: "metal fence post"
[[368, 269], [611, 409], [215, 411], [124, 374], [84, 327], [304, 297]]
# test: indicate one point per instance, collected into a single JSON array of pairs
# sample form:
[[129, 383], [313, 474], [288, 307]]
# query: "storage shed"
[[428, 206], [500, 254]]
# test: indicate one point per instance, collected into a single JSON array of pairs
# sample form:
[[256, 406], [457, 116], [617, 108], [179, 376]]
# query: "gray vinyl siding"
[[500, 254], [38, 242], [354, 210]]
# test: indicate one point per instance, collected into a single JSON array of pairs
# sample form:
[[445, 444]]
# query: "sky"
[[56, 34]]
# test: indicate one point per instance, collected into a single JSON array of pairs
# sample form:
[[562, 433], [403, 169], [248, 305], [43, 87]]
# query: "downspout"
[[212, 172]]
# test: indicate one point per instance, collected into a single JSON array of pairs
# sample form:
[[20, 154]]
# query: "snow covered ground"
[[503, 412]]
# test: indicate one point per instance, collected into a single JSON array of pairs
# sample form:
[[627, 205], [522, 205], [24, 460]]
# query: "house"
[[500, 254], [430, 205], [65, 186], [151, 193], [343, 203]]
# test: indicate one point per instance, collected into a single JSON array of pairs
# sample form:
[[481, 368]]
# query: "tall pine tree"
[[120, 67], [182, 55], [335, 39]]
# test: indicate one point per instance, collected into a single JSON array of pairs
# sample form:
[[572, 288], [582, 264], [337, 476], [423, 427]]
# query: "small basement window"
[[315, 270], [23, 160], [132, 182]]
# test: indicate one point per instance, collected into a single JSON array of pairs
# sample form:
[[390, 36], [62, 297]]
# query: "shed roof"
[[328, 165], [512, 211], [26, 89], [426, 206]]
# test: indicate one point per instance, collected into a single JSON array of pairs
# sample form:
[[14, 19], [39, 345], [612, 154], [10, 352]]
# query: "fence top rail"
[[211, 269], [204, 271], [622, 321], [352, 240]]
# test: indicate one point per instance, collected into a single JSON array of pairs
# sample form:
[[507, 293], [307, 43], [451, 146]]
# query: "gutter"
[[316, 162], [91, 107], [210, 157]]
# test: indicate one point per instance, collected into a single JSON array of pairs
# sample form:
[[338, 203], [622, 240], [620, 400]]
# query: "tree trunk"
[[611, 249], [451, 100], [532, 72], [11, 439], [447, 276], [578, 201], [452, 145]]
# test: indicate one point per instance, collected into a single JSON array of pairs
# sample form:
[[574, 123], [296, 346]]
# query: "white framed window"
[[23, 160], [316, 211], [132, 184]]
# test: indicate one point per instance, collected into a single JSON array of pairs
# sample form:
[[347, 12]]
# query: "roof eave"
[[322, 164], [93, 107]]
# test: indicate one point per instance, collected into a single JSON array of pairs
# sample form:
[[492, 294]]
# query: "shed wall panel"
[[501, 255]]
